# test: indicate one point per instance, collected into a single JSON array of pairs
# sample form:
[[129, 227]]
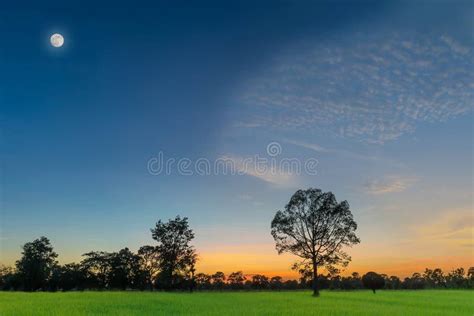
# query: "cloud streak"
[[389, 184], [324, 150], [265, 172]]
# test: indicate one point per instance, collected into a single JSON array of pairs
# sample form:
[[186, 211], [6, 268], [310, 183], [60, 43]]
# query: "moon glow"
[[57, 40]]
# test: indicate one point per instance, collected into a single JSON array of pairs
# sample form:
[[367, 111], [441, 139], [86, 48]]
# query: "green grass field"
[[427, 302]]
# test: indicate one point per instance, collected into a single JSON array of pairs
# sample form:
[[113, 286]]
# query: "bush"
[[373, 281]]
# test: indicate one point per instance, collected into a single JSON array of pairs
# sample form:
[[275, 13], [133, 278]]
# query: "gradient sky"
[[380, 94]]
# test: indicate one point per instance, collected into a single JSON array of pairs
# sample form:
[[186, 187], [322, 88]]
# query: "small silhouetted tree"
[[203, 281], [260, 282], [455, 279], [416, 282], [247, 285], [190, 271], [177, 255], [315, 227], [218, 280], [36, 264], [291, 285], [373, 281], [96, 265], [125, 270], [470, 277], [393, 283], [236, 280], [470, 272], [305, 272], [276, 283], [9, 279], [434, 278], [150, 263], [73, 276]]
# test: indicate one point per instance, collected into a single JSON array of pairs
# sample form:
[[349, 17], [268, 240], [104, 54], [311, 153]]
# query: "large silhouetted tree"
[[177, 255], [36, 264], [315, 227]]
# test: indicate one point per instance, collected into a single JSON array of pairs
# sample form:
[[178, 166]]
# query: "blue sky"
[[380, 94]]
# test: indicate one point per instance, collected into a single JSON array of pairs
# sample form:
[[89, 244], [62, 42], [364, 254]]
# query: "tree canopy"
[[315, 227], [36, 264], [177, 256]]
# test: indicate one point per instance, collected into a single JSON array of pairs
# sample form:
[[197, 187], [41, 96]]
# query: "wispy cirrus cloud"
[[262, 171], [370, 88], [389, 184], [312, 146], [455, 46], [320, 149]]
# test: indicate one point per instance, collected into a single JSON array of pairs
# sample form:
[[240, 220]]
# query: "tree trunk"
[[315, 279], [191, 284], [151, 283]]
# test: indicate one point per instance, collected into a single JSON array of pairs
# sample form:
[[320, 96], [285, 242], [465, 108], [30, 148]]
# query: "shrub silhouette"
[[373, 281]]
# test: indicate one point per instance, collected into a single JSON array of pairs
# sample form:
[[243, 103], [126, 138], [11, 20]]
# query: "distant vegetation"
[[38, 270], [312, 226]]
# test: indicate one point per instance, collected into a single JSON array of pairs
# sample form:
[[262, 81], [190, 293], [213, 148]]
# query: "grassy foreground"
[[428, 302]]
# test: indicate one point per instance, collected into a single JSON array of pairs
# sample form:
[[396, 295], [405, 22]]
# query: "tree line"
[[170, 264], [126, 270], [312, 226], [456, 279]]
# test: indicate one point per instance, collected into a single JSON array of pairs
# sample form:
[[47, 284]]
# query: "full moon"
[[57, 40]]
